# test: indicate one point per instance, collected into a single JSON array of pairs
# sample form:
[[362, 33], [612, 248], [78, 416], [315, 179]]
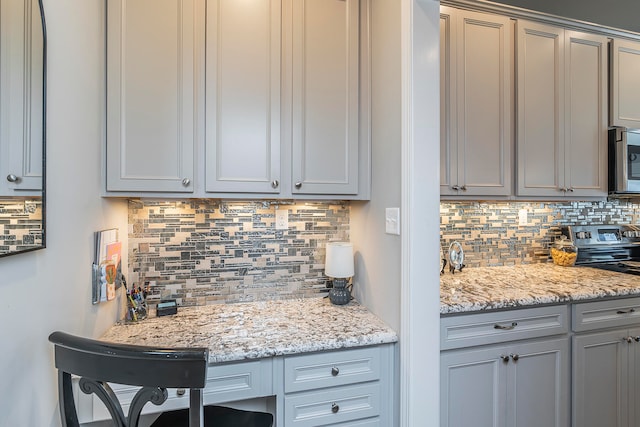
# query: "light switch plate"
[[392, 221], [282, 219]]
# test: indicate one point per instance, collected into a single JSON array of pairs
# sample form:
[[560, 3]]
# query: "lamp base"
[[339, 294]]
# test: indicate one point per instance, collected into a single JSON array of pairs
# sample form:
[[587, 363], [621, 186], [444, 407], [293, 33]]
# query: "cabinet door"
[[243, 96], [155, 54], [21, 105], [625, 89], [538, 384], [600, 380], [325, 58], [448, 139], [484, 104], [473, 387], [540, 77], [476, 135], [585, 137], [634, 378]]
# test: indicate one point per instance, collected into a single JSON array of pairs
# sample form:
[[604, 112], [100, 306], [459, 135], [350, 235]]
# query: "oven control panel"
[[602, 235]]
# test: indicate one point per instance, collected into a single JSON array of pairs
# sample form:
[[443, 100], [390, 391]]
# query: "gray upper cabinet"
[[243, 101], [562, 116], [218, 99], [154, 88], [325, 88], [476, 103], [625, 84], [21, 100]]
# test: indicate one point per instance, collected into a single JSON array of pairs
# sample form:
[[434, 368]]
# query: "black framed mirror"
[[22, 126]]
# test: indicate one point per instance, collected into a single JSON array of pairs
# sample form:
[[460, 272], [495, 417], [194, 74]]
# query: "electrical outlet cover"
[[282, 219]]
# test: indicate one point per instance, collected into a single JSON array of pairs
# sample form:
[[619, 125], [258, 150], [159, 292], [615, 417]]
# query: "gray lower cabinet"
[[606, 364], [522, 384], [521, 380], [352, 387], [339, 388]]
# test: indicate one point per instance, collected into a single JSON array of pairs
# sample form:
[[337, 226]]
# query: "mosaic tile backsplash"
[[211, 251], [490, 234], [20, 224]]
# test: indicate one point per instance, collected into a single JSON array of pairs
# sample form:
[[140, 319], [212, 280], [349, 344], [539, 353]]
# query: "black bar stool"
[[154, 369]]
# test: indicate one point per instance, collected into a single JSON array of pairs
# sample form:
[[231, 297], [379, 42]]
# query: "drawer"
[[588, 316], [330, 369], [488, 328], [227, 382], [333, 406], [238, 381]]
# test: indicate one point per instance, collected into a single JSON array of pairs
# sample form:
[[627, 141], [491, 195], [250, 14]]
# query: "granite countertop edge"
[[255, 330], [526, 286]]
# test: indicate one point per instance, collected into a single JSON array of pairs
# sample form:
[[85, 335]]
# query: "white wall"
[[377, 280], [396, 276], [419, 335], [50, 289]]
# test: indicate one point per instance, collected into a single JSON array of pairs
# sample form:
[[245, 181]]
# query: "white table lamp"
[[339, 266]]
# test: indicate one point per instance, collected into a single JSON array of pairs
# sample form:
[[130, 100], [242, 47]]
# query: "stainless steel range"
[[611, 247]]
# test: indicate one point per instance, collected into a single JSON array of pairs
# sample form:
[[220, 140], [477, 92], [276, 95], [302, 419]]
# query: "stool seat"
[[217, 416]]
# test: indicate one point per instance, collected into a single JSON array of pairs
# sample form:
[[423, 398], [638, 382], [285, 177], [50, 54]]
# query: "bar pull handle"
[[505, 328]]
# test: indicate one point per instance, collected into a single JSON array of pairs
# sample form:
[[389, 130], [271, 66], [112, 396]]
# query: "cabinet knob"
[[12, 178], [463, 188], [455, 187], [504, 358], [275, 183], [180, 392], [335, 371], [570, 189], [515, 357], [335, 408], [298, 185], [628, 339], [636, 339], [186, 182]]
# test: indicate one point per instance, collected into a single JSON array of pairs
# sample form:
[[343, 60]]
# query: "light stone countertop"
[[255, 330], [489, 288]]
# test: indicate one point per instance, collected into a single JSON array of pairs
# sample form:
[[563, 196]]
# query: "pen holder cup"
[[136, 309]]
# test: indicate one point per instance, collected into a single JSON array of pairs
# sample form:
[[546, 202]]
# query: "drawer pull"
[[631, 310], [335, 408], [505, 328], [515, 357], [180, 392], [335, 371], [504, 358]]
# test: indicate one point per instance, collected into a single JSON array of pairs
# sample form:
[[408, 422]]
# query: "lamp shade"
[[339, 260]]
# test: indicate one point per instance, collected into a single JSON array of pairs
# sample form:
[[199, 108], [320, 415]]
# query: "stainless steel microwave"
[[624, 162]]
